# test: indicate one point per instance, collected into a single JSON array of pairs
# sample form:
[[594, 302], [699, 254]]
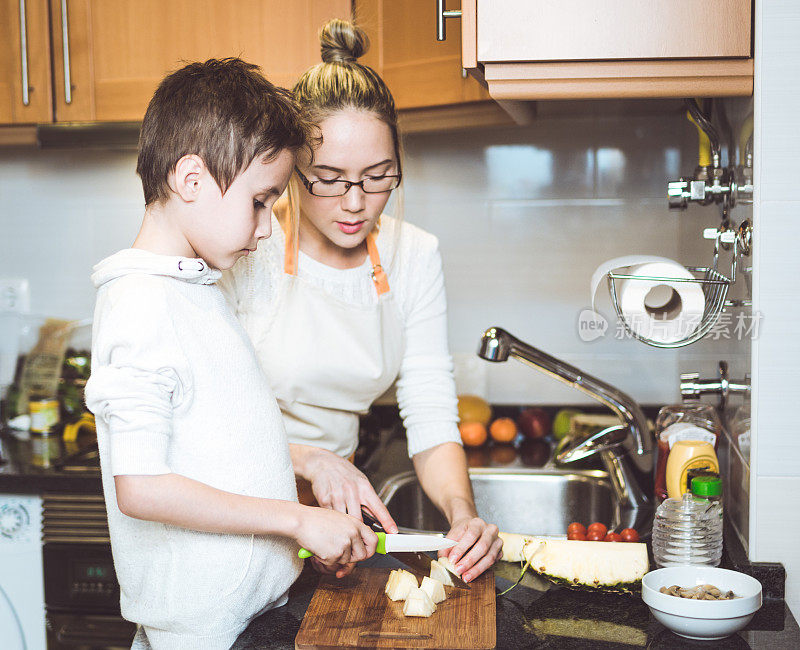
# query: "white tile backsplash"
[[775, 518], [775, 477], [777, 351], [524, 216], [778, 76], [60, 213]]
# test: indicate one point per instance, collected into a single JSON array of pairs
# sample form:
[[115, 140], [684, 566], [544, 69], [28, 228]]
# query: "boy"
[[199, 486]]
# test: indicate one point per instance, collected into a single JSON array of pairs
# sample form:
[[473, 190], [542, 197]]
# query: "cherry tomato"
[[613, 537], [579, 537], [576, 527], [595, 536], [600, 528], [629, 535]]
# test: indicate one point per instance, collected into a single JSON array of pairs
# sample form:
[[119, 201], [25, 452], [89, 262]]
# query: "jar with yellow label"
[[685, 421], [687, 455], [44, 415]]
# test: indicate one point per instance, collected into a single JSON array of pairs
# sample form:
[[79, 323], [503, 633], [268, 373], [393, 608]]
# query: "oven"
[[81, 591]]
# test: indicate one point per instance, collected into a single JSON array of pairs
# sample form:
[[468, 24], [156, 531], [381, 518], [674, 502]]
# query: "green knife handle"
[[303, 553]]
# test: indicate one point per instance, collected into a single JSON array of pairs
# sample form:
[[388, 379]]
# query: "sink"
[[518, 500]]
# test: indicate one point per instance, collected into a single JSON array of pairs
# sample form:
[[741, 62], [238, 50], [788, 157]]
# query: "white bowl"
[[703, 620]]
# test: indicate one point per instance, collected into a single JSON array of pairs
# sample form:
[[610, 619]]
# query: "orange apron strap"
[[281, 212], [290, 255], [378, 274]]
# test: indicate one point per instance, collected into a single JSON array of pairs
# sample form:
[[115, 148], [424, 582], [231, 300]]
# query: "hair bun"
[[341, 41]]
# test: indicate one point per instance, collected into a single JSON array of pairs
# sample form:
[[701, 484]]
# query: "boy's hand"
[[339, 570], [335, 539], [339, 485]]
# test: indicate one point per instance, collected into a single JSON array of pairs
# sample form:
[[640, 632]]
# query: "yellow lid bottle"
[[686, 455]]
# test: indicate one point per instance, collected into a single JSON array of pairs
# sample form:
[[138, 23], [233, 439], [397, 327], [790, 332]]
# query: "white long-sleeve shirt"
[[425, 387], [176, 388]]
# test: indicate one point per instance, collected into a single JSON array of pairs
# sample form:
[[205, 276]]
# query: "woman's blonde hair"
[[340, 82]]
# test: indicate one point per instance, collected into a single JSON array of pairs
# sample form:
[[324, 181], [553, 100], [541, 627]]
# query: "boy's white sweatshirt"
[[176, 388]]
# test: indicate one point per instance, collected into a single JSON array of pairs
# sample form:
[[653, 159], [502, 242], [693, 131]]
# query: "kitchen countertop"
[[526, 617], [556, 618], [28, 466]]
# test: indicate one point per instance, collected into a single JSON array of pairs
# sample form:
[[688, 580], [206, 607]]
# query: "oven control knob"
[[14, 520]]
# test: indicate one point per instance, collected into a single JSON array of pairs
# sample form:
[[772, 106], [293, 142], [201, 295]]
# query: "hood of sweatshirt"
[[136, 260]]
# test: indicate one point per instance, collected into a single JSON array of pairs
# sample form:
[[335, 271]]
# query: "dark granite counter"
[[530, 617], [32, 465], [533, 615]]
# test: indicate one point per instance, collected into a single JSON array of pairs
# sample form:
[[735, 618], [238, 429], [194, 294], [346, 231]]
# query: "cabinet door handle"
[[23, 47], [443, 14], [65, 44]]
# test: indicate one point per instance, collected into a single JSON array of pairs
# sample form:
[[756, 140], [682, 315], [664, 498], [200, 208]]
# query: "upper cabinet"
[[420, 71], [609, 48], [110, 56], [101, 60], [25, 88]]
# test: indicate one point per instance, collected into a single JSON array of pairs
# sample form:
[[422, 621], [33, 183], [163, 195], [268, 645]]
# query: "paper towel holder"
[[715, 291], [714, 284]]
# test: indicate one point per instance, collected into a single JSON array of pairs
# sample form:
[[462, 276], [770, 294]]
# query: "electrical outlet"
[[15, 295]]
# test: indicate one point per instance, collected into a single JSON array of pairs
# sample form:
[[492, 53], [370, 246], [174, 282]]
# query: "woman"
[[342, 301]]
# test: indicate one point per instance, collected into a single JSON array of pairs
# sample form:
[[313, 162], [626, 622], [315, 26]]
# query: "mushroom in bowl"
[[701, 619]]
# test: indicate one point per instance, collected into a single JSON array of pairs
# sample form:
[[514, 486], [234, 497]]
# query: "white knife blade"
[[399, 542]]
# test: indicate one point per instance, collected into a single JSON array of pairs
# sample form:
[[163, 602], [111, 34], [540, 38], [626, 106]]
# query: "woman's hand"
[[442, 471], [478, 546], [337, 540], [339, 485]]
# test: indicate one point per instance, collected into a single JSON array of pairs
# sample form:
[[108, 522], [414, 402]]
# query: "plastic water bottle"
[[687, 531]]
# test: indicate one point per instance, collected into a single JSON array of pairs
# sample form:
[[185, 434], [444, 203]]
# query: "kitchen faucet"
[[613, 444], [498, 345]]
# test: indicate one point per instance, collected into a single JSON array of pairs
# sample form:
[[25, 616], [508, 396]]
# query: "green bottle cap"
[[707, 486]]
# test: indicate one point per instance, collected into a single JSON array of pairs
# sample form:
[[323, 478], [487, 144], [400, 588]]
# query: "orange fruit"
[[473, 434], [503, 430]]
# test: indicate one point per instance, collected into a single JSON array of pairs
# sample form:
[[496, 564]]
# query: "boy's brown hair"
[[222, 110]]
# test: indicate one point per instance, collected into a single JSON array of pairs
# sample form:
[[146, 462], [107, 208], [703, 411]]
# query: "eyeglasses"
[[369, 185]]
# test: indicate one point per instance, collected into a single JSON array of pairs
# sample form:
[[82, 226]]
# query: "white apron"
[[327, 360]]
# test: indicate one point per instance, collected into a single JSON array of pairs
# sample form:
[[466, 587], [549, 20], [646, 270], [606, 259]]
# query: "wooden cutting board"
[[354, 612]]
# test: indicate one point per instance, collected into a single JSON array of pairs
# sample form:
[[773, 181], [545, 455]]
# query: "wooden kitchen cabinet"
[[573, 49], [419, 70], [430, 86], [117, 51], [24, 60]]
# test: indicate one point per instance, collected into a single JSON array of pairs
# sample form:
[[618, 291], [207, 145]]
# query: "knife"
[[420, 562], [398, 542]]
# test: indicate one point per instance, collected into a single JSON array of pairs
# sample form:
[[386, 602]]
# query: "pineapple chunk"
[[438, 572], [447, 564], [434, 589], [399, 584], [391, 582], [418, 603]]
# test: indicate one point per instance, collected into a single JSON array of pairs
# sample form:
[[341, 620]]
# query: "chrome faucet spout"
[[498, 345]]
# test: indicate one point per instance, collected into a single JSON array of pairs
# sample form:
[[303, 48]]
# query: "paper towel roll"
[[660, 310]]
